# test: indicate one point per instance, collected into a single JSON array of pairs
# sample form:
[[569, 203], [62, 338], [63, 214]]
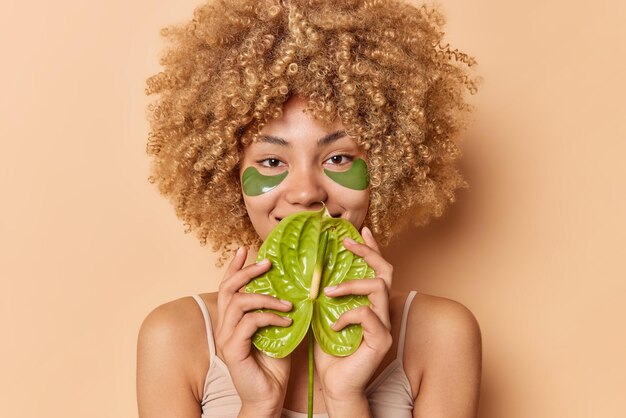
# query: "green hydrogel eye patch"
[[356, 177], [255, 183]]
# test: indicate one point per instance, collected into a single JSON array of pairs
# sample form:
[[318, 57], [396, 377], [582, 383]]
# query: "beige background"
[[535, 248]]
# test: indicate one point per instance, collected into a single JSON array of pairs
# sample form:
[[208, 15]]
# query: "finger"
[[231, 284], [243, 276], [237, 262], [372, 258], [245, 302], [375, 289], [375, 334], [239, 345], [235, 265], [369, 239]]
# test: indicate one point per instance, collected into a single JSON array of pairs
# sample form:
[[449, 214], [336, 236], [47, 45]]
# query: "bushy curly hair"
[[379, 66]]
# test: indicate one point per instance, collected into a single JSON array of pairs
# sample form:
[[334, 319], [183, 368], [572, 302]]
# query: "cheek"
[[258, 208], [360, 201], [355, 202], [357, 205]]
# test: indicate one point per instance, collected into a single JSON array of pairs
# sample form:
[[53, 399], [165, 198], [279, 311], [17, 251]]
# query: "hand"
[[261, 381], [344, 377]]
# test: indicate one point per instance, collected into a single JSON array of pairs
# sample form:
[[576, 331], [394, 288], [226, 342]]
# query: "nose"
[[305, 188]]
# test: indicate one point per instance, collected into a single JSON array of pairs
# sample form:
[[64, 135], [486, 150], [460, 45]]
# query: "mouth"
[[336, 215]]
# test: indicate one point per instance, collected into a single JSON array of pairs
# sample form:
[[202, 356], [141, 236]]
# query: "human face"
[[301, 148]]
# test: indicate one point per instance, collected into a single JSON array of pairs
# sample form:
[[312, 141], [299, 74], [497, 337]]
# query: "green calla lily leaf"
[[307, 254]]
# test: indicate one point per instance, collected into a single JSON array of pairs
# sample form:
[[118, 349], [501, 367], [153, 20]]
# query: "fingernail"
[[349, 241], [334, 325], [263, 262], [367, 230], [286, 318], [285, 302], [329, 289], [239, 251]]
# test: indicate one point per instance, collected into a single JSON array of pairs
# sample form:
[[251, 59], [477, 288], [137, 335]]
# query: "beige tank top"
[[389, 395]]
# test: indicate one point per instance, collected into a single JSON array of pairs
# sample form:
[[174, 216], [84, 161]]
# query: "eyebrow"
[[328, 139]]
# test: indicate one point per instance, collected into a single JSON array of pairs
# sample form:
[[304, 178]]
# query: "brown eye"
[[271, 162], [339, 159]]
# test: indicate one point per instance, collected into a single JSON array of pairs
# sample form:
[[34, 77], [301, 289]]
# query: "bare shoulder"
[[436, 319], [172, 321], [443, 356], [172, 354]]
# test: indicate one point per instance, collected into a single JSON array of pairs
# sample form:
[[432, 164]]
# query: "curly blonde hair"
[[379, 66]]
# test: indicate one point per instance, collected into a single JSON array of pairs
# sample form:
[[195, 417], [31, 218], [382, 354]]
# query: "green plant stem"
[[310, 408]]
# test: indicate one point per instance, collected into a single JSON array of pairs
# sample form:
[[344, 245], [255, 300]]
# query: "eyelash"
[[349, 158], [263, 161]]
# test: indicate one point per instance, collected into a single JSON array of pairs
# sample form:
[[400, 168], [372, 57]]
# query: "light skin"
[[304, 147], [442, 354]]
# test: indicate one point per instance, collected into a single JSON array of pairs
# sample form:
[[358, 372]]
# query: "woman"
[[300, 91]]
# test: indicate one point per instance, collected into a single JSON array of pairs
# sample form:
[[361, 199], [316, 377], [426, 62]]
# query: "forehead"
[[296, 119], [297, 127]]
